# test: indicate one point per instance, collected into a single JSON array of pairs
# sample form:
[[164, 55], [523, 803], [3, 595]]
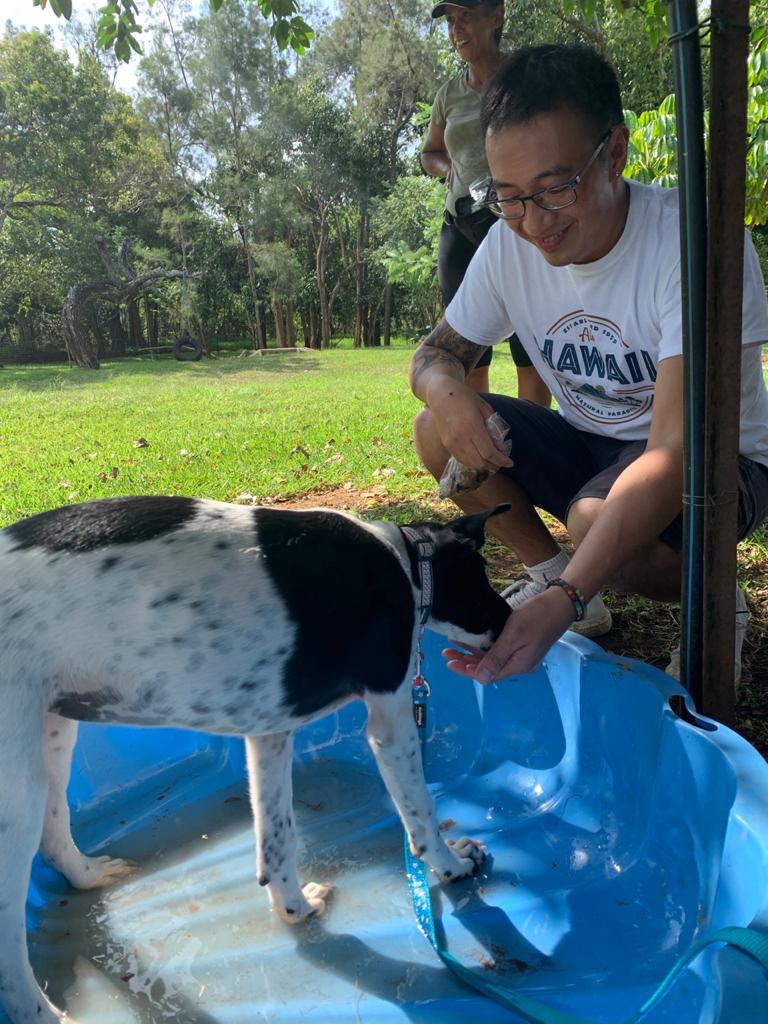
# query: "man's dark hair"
[[539, 79]]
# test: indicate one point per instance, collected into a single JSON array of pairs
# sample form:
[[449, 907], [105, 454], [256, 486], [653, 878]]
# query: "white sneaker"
[[597, 622], [742, 619]]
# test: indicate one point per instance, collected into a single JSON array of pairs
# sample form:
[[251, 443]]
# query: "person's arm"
[[434, 156], [437, 374], [645, 499]]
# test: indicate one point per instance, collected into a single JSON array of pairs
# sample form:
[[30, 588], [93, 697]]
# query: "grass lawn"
[[318, 428], [281, 423]]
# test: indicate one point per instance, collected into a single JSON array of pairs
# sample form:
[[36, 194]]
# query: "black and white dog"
[[233, 620]]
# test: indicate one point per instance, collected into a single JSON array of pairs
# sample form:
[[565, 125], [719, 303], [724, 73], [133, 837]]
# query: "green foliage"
[[654, 14], [757, 130], [408, 224], [119, 26], [652, 144], [617, 29]]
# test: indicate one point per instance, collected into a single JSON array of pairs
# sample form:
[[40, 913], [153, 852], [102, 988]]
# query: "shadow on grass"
[[61, 376]]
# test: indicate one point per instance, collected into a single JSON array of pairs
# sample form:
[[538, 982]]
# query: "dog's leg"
[[394, 740], [22, 803], [58, 846], [270, 766]]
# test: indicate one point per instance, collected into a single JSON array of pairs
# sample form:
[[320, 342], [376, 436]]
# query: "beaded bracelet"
[[577, 598]]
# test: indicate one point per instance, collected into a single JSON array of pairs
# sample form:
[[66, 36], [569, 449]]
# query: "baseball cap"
[[439, 10]]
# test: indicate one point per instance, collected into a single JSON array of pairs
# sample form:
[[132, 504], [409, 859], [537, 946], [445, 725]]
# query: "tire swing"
[[187, 349]]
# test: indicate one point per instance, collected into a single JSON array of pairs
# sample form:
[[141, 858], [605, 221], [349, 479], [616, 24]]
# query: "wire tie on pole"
[[678, 37], [717, 500]]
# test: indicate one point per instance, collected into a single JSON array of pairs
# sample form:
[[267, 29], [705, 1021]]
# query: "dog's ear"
[[471, 529]]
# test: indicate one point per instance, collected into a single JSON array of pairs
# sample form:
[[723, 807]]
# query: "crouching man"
[[583, 265]]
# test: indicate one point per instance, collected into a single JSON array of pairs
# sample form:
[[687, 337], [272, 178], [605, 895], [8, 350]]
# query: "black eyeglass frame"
[[495, 205]]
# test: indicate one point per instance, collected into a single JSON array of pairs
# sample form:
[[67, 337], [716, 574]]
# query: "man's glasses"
[[555, 198]]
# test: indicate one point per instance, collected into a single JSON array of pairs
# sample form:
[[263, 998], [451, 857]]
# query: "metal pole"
[[684, 39]]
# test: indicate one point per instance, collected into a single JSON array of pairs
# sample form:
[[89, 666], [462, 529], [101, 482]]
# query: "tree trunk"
[[309, 325], [361, 310], [261, 327], [202, 334], [388, 313], [279, 316], [322, 293], [313, 326], [290, 324], [151, 316], [135, 326], [258, 334], [25, 328], [97, 331], [116, 331], [81, 346]]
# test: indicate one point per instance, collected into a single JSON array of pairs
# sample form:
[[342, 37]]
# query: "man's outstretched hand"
[[528, 634]]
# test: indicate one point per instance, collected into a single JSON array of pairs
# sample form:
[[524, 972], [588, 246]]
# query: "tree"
[[120, 285], [407, 224], [231, 71], [118, 25], [73, 162]]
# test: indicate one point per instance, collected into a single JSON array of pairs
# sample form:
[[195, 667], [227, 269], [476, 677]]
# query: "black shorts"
[[459, 240], [556, 465]]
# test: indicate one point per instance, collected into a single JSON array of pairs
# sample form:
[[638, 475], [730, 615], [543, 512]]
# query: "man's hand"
[[528, 634], [438, 370], [460, 415]]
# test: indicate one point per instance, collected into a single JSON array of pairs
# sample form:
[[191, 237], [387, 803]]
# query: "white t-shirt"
[[596, 332]]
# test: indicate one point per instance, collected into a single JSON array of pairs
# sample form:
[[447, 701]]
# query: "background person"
[[585, 266], [454, 151]]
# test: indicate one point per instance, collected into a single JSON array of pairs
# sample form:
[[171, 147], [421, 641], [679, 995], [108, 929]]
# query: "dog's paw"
[[469, 854], [316, 893], [312, 904], [97, 872]]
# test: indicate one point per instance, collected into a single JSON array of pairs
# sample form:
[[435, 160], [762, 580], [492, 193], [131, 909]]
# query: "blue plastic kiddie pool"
[[618, 834]]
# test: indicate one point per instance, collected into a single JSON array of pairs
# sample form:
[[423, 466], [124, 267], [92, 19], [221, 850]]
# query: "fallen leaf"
[[141, 442]]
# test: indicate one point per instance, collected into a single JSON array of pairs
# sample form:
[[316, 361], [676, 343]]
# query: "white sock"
[[543, 572]]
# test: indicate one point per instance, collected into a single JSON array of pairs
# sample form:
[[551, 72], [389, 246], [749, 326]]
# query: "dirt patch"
[[646, 630]]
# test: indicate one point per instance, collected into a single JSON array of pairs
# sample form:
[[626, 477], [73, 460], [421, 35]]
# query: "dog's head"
[[465, 606]]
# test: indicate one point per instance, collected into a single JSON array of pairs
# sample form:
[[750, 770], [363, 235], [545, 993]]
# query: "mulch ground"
[[641, 629]]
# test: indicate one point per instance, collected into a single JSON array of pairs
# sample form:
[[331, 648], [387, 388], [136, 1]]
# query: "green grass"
[[281, 423]]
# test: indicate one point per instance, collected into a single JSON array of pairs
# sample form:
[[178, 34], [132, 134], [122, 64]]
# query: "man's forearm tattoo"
[[446, 348]]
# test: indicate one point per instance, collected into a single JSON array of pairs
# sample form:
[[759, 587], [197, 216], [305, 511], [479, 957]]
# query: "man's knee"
[[427, 441], [581, 517]]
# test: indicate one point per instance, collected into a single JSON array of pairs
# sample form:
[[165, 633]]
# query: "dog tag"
[[420, 715]]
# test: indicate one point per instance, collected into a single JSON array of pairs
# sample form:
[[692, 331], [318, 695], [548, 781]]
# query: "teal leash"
[[749, 941]]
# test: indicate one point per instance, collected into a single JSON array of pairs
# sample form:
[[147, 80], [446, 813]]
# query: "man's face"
[[549, 151]]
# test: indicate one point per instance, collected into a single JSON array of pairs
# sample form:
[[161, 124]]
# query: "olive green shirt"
[[456, 110]]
